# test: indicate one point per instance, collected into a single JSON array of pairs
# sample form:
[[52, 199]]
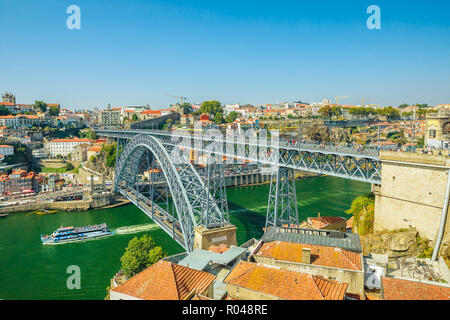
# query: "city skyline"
[[134, 53]]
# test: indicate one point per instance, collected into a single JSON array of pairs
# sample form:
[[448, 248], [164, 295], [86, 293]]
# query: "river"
[[30, 270]]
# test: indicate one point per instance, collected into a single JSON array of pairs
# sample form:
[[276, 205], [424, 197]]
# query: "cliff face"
[[98, 164]]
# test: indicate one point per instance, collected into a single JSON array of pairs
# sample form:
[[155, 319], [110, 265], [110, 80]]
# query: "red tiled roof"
[[399, 289], [285, 284], [151, 112], [320, 255], [71, 140], [321, 222], [219, 249], [166, 281]]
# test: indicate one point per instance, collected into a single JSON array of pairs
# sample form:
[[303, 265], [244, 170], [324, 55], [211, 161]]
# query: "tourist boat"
[[3, 215], [71, 234]]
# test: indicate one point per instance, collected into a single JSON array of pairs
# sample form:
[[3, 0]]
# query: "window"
[[432, 134]]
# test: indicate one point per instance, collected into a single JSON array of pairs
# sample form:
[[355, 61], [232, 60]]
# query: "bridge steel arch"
[[193, 202]]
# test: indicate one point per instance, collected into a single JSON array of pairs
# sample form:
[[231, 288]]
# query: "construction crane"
[[337, 99], [181, 98]]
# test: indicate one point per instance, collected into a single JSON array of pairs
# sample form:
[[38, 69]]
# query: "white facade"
[[6, 150], [64, 146]]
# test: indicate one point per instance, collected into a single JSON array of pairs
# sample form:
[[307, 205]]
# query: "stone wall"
[[412, 193]]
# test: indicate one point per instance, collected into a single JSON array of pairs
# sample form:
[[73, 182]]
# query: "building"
[[437, 133], [165, 281], [40, 153], [110, 117], [9, 97], [65, 147], [79, 153], [331, 254], [254, 281], [325, 223], [6, 150], [405, 289], [19, 182]]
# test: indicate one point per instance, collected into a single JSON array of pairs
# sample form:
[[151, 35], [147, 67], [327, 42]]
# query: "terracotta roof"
[[219, 249], [166, 281], [321, 222], [285, 284], [320, 255], [151, 112], [399, 289], [71, 140], [95, 149]]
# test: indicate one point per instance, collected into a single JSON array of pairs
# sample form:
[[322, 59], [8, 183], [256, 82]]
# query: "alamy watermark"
[[74, 280], [374, 20], [74, 20]]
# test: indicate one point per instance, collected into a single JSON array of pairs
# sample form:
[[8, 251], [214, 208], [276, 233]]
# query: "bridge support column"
[[282, 208], [204, 238]]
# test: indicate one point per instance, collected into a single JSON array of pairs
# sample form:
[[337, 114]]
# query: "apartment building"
[[64, 147], [18, 182]]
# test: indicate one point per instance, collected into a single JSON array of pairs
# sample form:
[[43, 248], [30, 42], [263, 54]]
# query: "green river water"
[[30, 270]]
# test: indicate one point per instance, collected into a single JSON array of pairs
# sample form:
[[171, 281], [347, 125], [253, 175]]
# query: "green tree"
[[134, 117], [140, 254], [69, 166], [233, 115], [4, 111], [53, 111], [186, 107], [325, 111], [40, 105], [218, 118], [211, 107], [363, 210]]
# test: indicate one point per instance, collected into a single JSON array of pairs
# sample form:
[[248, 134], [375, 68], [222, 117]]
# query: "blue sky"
[[134, 52]]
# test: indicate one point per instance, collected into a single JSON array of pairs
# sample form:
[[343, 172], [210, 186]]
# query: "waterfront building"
[[19, 182], [165, 281], [255, 281], [64, 147]]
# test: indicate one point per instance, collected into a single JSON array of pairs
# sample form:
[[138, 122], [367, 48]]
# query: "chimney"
[[306, 255]]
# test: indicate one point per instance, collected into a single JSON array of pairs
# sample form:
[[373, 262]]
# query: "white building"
[[64, 146], [6, 150]]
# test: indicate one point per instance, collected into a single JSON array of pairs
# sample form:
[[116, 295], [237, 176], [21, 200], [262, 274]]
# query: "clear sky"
[[236, 51]]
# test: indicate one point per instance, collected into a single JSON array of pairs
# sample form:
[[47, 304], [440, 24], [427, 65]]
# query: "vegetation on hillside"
[[363, 211], [140, 254]]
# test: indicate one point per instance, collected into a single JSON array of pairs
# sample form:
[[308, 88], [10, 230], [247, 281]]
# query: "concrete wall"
[[411, 193], [204, 238]]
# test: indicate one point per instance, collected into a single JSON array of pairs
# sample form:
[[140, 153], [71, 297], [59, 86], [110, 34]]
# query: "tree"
[[211, 107], [140, 254], [325, 111], [134, 117], [404, 105], [233, 115], [362, 209], [218, 118], [4, 111], [168, 124], [69, 166], [186, 107], [54, 111], [40, 105]]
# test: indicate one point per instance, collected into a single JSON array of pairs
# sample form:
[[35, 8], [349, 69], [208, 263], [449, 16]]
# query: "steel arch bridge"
[[192, 200], [193, 203]]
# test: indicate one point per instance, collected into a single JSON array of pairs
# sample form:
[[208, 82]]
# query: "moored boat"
[[71, 234]]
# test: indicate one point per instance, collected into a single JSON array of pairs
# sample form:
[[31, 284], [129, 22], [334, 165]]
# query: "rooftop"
[[166, 281], [320, 255], [285, 284], [344, 240], [200, 259], [402, 289]]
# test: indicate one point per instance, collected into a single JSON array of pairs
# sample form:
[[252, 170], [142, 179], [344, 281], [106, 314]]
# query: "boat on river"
[[71, 234]]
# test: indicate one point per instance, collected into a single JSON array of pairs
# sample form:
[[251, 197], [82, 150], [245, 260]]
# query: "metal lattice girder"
[[335, 161], [185, 184], [282, 208]]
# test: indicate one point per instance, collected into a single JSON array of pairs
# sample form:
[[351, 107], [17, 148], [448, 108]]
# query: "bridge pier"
[[204, 238], [282, 208]]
